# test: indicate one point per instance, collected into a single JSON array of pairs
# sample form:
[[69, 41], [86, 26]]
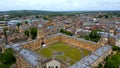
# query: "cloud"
[[59, 5]]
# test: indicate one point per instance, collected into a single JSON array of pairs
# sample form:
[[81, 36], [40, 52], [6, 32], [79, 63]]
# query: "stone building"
[[94, 58], [27, 58], [53, 63]]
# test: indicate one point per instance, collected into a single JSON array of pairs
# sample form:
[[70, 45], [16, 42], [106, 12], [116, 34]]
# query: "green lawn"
[[85, 52], [68, 52]]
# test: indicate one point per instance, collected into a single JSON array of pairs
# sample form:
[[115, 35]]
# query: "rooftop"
[[88, 60], [28, 55], [31, 57]]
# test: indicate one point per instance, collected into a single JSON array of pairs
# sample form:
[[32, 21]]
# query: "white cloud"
[[60, 5]]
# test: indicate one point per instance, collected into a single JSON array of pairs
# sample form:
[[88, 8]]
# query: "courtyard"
[[63, 52]]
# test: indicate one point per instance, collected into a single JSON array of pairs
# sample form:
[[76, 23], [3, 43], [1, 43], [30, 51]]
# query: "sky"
[[59, 5]]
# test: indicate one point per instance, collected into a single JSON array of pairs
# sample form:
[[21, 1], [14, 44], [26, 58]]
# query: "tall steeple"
[[40, 33]]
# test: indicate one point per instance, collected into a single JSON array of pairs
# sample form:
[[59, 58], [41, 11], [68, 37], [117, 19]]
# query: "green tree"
[[37, 16], [26, 32], [18, 25], [62, 30], [68, 33], [33, 32], [1, 19], [3, 66], [26, 22], [8, 57], [65, 32], [94, 36], [5, 35], [100, 65], [116, 48], [113, 61], [1, 55]]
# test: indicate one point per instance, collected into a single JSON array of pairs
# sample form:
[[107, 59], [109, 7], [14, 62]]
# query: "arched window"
[[56, 66]]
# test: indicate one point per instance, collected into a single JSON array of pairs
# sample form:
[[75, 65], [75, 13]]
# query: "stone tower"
[[40, 33]]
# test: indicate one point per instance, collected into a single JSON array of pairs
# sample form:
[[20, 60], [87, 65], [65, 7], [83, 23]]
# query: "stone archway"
[[42, 44]]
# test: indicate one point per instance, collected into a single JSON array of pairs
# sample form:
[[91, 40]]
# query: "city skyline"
[[60, 5]]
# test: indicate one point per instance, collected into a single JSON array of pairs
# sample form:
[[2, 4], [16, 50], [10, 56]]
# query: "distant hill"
[[27, 12], [20, 13]]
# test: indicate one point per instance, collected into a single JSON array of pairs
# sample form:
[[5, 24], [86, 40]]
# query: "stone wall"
[[33, 45], [91, 46], [88, 45]]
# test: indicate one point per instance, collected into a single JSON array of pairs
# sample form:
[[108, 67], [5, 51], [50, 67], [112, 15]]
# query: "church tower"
[[40, 33]]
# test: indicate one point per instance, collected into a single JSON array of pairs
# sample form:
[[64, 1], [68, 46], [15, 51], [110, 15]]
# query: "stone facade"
[[21, 62], [36, 44], [111, 41], [101, 58], [53, 63]]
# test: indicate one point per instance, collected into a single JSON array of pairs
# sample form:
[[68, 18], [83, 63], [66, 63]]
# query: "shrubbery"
[[65, 32], [7, 58], [116, 48], [93, 36]]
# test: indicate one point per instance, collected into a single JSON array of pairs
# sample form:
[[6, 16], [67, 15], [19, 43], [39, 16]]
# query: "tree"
[[37, 16], [113, 61], [26, 22], [68, 33], [3, 66], [18, 25], [8, 57], [1, 55], [62, 30], [2, 19], [5, 35], [33, 32], [65, 32], [116, 48], [26, 32], [100, 65], [94, 36]]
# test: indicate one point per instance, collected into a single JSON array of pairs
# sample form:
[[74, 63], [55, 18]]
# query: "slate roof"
[[28, 55], [90, 59]]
